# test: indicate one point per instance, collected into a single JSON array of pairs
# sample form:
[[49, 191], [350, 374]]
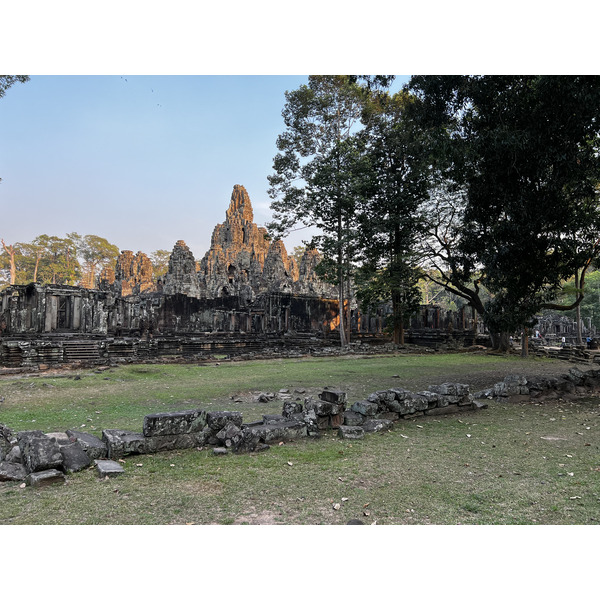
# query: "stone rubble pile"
[[518, 388], [39, 459]]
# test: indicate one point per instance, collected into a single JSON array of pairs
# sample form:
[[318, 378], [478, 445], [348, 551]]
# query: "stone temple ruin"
[[246, 295]]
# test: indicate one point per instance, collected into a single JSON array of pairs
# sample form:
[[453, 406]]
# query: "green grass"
[[485, 467]]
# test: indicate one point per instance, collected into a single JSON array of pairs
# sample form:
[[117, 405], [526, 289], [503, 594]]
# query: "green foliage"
[[396, 179], [96, 252], [160, 262], [525, 149], [7, 81], [314, 181]]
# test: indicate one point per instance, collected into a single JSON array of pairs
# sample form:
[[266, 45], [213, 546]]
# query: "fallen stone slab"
[[10, 471], [108, 468], [351, 432], [443, 410], [162, 443], [43, 478], [40, 453], [287, 430], [92, 445], [219, 451], [374, 425], [120, 443], [272, 419], [174, 423], [74, 458]]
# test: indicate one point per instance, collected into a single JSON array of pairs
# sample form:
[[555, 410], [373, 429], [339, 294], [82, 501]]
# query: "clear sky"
[[140, 160]]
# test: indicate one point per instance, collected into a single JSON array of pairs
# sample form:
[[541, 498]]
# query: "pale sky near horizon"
[[142, 161]]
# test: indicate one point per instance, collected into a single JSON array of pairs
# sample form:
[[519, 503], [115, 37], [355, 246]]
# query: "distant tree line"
[[70, 260], [485, 186]]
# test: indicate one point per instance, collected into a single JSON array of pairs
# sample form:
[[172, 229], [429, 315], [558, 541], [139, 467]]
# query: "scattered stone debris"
[[108, 468], [42, 459]]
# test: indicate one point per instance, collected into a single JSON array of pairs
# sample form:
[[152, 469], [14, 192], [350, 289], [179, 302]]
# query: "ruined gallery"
[[244, 296]]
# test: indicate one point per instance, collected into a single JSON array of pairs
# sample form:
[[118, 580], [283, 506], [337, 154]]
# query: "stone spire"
[[181, 277], [240, 205]]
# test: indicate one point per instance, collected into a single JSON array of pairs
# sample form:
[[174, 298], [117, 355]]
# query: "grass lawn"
[[534, 463]]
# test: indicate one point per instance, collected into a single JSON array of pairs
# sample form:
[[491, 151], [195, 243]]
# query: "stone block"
[[120, 443], [108, 468], [478, 405], [322, 423], [231, 435], [174, 423], [74, 458], [323, 408], [415, 403], [353, 419], [333, 396], [292, 410], [219, 451], [266, 434], [364, 407], [270, 419], [62, 439], [216, 420], [432, 399], [374, 425], [14, 456], [336, 420], [92, 445], [43, 478], [10, 471], [450, 389], [7, 441], [163, 443], [39, 453], [389, 416], [351, 432]]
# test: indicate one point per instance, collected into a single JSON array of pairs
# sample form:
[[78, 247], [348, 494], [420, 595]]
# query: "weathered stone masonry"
[[42, 458], [245, 293]]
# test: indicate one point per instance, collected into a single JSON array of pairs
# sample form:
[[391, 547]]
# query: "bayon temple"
[[245, 295]]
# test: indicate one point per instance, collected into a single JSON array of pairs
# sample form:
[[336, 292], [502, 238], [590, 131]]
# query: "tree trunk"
[[37, 263], [500, 341], [525, 343], [10, 250], [578, 309]]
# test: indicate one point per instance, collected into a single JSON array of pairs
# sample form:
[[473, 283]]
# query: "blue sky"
[[140, 160]]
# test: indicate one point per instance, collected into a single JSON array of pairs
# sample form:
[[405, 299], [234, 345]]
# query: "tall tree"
[[160, 262], [58, 263], [96, 252], [530, 146], [311, 183], [10, 252], [396, 185]]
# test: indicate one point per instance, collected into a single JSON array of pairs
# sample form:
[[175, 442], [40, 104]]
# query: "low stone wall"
[[520, 388], [39, 458]]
